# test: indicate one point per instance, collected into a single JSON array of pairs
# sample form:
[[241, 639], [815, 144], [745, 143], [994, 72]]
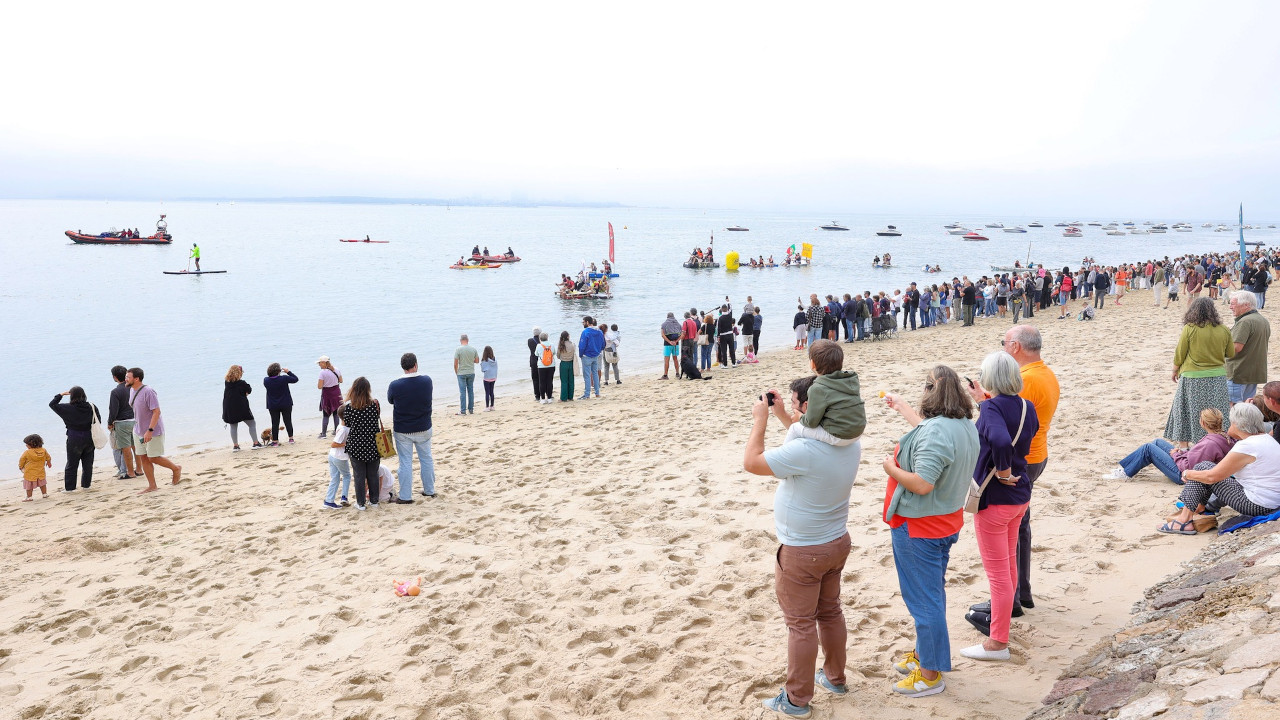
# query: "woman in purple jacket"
[[1160, 452], [1006, 424]]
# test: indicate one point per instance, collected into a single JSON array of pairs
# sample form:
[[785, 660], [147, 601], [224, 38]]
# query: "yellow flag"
[[806, 250]]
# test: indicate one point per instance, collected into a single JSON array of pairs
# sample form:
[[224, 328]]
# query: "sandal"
[[1173, 527]]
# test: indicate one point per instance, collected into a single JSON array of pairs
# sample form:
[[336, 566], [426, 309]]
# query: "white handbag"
[[976, 490], [96, 431]]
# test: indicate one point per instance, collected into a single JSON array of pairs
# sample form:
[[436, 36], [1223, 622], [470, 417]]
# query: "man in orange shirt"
[[1040, 387], [1122, 282]]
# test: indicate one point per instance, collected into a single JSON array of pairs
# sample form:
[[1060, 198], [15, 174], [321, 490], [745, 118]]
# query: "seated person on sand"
[[1086, 311], [1160, 452], [1246, 480], [835, 414]]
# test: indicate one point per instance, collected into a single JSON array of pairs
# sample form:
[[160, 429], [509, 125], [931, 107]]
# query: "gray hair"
[[1247, 418], [537, 331], [1244, 297], [1000, 374], [542, 337], [1028, 337]]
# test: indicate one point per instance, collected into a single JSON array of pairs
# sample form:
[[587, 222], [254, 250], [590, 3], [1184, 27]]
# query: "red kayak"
[[115, 239], [366, 241], [496, 258]]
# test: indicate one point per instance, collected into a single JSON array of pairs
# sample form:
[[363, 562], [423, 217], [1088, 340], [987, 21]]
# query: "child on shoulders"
[[835, 413]]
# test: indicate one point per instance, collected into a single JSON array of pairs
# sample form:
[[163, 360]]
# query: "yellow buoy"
[[731, 260]]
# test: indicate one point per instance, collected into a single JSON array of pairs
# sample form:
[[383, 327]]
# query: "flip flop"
[[1173, 527]]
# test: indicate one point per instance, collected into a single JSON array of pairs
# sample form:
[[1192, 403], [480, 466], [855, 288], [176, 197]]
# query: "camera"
[[772, 398]]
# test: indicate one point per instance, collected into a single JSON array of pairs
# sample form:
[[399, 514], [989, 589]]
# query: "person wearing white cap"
[[330, 394]]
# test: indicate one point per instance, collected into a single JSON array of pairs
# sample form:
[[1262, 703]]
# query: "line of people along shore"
[[1022, 292]]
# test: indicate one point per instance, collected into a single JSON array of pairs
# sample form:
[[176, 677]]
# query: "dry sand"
[[607, 558]]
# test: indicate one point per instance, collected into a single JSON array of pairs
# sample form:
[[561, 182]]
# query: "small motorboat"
[[973, 236], [1060, 225], [996, 226], [959, 231], [1138, 231], [1095, 223], [952, 226], [758, 265], [891, 231], [1072, 232], [114, 238], [1035, 224], [365, 240], [1209, 225], [496, 258], [1184, 228], [1127, 223], [702, 264], [833, 225], [737, 228], [1222, 228], [1015, 229], [881, 266], [475, 266], [1012, 268], [1115, 232]]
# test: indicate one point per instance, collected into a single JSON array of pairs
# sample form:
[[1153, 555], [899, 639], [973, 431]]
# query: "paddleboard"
[[193, 272], [367, 241]]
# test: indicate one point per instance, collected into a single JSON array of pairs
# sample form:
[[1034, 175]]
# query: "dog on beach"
[[266, 434]]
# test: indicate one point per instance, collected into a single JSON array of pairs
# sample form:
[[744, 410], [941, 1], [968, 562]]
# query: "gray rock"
[[1271, 691], [1068, 686], [1225, 687], [1213, 574], [1145, 707], [1259, 652], [1176, 597], [1115, 690]]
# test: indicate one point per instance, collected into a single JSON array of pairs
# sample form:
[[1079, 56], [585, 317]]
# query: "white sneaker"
[[1117, 474], [977, 652]]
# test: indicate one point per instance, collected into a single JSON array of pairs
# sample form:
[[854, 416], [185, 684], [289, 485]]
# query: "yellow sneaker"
[[908, 663], [914, 685]]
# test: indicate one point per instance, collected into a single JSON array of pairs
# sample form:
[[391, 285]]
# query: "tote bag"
[[96, 431], [976, 490], [385, 442]]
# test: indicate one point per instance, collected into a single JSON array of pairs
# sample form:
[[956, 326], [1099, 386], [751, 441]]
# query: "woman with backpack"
[[546, 368]]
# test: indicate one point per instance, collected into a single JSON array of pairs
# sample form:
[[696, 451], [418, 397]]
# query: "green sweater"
[[943, 451], [835, 403], [1203, 351]]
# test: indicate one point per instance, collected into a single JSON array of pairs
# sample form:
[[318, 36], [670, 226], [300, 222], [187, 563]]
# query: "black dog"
[[691, 371]]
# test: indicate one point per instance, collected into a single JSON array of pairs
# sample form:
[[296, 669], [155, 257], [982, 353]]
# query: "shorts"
[[1173, 295], [802, 332], [1238, 393], [155, 448], [670, 351], [32, 484], [122, 434]]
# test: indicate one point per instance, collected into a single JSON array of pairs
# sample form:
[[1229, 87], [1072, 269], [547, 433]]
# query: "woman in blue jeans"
[[1160, 452], [929, 478]]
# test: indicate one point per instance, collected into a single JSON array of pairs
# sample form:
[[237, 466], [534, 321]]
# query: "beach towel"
[[1244, 521]]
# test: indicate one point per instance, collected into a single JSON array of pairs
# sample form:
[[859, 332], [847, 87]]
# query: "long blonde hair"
[[235, 373]]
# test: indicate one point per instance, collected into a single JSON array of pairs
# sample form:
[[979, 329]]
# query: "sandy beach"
[[605, 559]]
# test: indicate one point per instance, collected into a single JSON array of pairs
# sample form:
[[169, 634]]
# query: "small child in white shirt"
[[339, 470]]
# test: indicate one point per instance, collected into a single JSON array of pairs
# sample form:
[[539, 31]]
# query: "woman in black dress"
[[235, 406], [78, 415], [361, 413]]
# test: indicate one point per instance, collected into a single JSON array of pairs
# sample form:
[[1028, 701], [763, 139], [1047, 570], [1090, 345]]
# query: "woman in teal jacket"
[[929, 478]]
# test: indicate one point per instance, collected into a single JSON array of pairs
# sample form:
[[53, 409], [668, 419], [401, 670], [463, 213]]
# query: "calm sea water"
[[292, 292]]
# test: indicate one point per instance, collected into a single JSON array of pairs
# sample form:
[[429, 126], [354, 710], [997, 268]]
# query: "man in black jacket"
[[912, 304], [533, 362], [1101, 285]]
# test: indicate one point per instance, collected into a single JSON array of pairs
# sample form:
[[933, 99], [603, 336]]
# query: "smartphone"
[[970, 383], [772, 397]]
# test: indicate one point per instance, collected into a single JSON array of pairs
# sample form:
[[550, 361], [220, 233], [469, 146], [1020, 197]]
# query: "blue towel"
[[1244, 521]]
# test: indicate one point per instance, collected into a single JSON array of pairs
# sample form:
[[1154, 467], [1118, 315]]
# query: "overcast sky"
[[1137, 108]]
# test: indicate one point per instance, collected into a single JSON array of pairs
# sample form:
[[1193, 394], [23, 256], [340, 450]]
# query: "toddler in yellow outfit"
[[32, 464]]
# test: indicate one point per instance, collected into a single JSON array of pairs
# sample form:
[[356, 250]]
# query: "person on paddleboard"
[[195, 255]]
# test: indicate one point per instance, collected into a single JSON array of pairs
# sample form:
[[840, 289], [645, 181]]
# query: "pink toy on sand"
[[407, 587]]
